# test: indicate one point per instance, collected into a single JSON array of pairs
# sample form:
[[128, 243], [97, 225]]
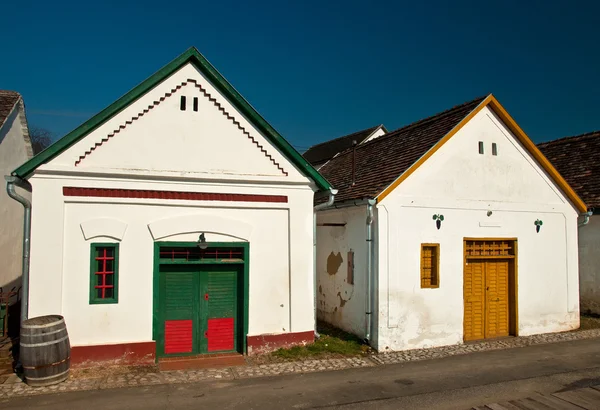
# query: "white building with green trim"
[[176, 222]]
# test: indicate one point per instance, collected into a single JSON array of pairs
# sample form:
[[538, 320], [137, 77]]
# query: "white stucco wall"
[[463, 185], [340, 303], [170, 150], [14, 150], [589, 266], [280, 237], [202, 145]]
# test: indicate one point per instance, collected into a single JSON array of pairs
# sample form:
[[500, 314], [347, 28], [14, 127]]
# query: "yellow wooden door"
[[496, 300], [474, 300]]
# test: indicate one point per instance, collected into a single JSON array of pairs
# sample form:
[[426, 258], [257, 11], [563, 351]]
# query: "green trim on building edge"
[[156, 285], [193, 56]]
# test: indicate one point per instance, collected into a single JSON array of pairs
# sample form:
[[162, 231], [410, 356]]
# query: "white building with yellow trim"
[[451, 229]]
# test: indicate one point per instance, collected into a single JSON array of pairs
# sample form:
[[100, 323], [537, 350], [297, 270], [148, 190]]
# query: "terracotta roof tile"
[[577, 159], [8, 99], [324, 151], [380, 161]]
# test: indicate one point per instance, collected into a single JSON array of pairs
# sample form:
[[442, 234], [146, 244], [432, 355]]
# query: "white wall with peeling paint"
[[338, 302], [464, 185]]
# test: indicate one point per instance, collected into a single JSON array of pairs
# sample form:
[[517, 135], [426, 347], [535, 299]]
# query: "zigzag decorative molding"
[[169, 94]]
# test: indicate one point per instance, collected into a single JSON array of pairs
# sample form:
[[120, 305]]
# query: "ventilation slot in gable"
[[182, 103]]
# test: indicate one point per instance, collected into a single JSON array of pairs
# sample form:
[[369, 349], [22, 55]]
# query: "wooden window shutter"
[[430, 265]]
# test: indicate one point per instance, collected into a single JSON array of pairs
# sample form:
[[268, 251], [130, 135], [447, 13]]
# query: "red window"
[[104, 273]]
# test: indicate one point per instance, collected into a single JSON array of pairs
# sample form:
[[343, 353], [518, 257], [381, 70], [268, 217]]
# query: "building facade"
[[176, 222], [15, 148], [451, 229]]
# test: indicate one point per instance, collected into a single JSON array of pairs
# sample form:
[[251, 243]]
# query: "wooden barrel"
[[45, 352]]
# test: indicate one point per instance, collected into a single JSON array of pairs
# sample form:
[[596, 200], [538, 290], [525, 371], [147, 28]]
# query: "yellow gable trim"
[[493, 103]]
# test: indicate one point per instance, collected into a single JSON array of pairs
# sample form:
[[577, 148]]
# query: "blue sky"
[[316, 69]]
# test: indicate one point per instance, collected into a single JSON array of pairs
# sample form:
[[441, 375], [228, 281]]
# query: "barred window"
[[104, 273]]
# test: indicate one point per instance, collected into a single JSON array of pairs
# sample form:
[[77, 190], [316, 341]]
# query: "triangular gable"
[[493, 104], [193, 57]]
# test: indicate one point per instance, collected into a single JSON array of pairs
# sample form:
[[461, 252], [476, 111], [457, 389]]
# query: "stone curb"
[[17, 389]]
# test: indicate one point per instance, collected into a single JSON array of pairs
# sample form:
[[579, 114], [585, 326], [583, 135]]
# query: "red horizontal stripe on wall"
[[189, 196]]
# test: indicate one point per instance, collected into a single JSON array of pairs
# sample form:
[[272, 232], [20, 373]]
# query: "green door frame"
[[245, 283]]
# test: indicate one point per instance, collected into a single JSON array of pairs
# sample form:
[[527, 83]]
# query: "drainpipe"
[[586, 218], [11, 181], [324, 205], [370, 270]]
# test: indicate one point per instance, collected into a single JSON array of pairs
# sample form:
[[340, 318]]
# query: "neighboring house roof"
[[10, 101], [324, 151], [578, 161], [192, 56], [383, 163]]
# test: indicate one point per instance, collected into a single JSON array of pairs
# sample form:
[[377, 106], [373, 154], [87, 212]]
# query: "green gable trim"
[[193, 56]]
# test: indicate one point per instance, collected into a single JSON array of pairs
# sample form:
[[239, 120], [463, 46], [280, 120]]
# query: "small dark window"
[[195, 103], [481, 147], [350, 278], [182, 103], [494, 149]]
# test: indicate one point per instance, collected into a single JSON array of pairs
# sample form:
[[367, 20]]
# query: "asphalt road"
[[457, 382]]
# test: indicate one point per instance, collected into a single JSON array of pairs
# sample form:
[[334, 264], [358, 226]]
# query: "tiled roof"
[[577, 159], [380, 161], [8, 99], [324, 151]]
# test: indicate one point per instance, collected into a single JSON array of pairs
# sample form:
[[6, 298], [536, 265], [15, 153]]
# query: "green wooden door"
[[180, 296], [220, 310], [199, 309]]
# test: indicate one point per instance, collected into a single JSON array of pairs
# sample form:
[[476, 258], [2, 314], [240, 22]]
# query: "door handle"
[[206, 334], [206, 296]]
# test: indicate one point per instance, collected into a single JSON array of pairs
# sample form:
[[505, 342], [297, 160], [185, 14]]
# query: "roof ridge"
[[564, 139], [420, 122], [438, 115], [344, 136]]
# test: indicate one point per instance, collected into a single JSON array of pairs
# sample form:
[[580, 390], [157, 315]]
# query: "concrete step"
[[201, 362]]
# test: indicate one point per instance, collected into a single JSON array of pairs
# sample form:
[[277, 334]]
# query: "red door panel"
[[178, 336], [220, 334]]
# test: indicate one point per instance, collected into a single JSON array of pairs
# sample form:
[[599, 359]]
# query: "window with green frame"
[[104, 273]]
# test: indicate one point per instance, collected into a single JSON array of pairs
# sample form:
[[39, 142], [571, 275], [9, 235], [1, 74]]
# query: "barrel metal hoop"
[[64, 329], [52, 342], [43, 326], [46, 365], [54, 376]]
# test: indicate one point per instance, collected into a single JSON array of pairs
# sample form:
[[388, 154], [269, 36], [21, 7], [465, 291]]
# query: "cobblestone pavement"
[[130, 377], [453, 350]]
